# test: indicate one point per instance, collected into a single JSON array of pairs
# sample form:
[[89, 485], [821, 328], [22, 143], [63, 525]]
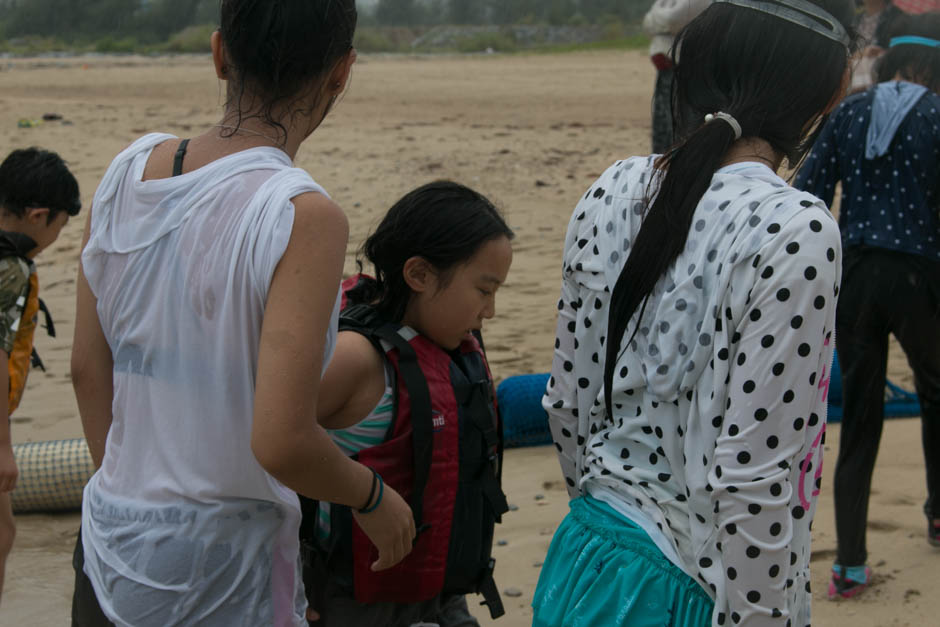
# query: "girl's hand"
[[391, 528]]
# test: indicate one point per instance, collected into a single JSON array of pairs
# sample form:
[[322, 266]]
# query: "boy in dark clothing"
[[38, 195]]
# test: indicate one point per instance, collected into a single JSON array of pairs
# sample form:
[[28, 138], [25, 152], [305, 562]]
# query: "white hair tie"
[[721, 115]]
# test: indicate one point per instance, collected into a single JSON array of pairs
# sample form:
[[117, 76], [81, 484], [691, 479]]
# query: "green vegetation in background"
[[502, 12], [632, 42], [386, 38], [75, 22], [484, 42], [30, 27], [192, 39]]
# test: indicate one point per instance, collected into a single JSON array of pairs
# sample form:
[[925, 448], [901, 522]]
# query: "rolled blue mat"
[[525, 423]]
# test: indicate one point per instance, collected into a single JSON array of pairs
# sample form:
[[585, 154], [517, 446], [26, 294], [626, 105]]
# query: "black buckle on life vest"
[[50, 325], [490, 592], [36, 362], [494, 494]]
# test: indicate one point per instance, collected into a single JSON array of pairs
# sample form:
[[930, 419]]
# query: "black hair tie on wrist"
[[376, 480]]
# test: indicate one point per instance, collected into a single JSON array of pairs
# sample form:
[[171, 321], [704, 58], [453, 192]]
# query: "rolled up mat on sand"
[[525, 423], [519, 398], [52, 475], [899, 403]]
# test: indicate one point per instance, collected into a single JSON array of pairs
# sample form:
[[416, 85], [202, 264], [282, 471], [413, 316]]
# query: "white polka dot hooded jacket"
[[720, 401]]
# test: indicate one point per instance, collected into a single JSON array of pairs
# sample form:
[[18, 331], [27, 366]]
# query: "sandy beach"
[[529, 131]]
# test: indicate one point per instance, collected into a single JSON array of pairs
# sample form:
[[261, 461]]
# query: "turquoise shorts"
[[602, 569]]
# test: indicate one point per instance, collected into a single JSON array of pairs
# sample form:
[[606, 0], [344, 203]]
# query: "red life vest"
[[443, 454]]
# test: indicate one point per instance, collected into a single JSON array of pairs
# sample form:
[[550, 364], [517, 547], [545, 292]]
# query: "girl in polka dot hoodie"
[[695, 334]]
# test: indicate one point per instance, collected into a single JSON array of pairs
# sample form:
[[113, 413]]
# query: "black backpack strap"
[[499, 426], [50, 325], [325, 563], [422, 427], [478, 396], [490, 592]]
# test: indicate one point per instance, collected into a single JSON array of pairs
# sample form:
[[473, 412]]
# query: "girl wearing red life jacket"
[[439, 256]]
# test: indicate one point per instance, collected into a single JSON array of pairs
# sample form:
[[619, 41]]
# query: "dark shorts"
[[86, 612]]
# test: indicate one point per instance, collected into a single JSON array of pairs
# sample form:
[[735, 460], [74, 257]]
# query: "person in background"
[[663, 22], [883, 145], [873, 28], [38, 195]]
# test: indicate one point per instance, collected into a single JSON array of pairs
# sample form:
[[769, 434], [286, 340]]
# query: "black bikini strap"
[[178, 160]]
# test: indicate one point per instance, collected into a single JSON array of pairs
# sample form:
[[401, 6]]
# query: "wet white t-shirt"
[[181, 525], [720, 401]]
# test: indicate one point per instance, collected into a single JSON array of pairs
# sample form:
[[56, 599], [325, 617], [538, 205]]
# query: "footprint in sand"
[[822, 554], [882, 525], [899, 499]]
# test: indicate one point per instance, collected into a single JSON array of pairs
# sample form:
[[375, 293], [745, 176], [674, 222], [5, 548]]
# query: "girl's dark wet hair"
[[277, 49], [443, 222], [33, 177], [776, 78], [915, 63]]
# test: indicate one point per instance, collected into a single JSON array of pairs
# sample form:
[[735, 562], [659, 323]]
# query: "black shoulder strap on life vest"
[[422, 427], [365, 320], [477, 395]]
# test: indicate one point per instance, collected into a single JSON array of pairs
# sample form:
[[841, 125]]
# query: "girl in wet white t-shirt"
[[207, 308]]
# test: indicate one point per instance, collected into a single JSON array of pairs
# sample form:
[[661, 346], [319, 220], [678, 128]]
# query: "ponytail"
[[688, 173], [776, 78]]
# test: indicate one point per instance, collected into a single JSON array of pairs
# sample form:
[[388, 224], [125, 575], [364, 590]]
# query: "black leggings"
[[85, 609], [883, 292]]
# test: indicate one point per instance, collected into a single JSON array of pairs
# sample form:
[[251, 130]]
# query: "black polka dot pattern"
[[716, 430]]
